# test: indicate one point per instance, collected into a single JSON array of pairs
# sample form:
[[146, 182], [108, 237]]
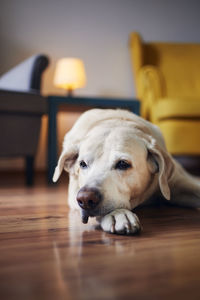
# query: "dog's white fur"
[[103, 137]]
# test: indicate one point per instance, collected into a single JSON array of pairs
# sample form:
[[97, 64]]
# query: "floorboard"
[[47, 253]]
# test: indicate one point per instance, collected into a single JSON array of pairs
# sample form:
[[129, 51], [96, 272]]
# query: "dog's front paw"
[[121, 221]]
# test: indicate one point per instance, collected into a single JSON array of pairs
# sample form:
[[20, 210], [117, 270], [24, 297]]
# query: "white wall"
[[95, 30]]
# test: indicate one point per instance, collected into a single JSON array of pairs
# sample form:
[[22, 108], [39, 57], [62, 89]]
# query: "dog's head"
[[116, 166]]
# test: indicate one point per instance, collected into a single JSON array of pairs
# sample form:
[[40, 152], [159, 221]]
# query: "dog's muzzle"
[[88, 198]]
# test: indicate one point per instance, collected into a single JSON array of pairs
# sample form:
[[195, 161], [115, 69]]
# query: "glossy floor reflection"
[[47, 253]]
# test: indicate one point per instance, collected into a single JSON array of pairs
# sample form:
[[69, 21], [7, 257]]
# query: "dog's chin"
[[95, 213], [85, 214], [98, 212]]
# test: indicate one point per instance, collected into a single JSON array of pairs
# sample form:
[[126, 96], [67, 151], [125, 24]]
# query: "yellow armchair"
[[167, 81]]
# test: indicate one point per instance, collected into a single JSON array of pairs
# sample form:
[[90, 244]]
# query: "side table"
[[71, 103]]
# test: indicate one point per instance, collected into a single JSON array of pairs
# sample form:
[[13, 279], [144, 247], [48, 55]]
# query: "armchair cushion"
[[179, 108]]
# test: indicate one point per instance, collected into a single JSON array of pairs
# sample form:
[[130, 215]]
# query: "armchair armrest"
[[150, 88]]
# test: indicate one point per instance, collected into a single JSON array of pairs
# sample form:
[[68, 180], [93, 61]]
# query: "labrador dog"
[[116, 161]]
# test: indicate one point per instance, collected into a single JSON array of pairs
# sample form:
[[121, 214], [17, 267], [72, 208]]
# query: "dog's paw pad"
[[121, 221]]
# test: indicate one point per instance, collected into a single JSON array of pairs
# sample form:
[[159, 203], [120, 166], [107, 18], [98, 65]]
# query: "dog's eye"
[[122, 165], [83, 164]]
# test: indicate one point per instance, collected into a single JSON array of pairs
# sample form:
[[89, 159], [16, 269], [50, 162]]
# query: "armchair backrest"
[[178, 64], [26, 76]]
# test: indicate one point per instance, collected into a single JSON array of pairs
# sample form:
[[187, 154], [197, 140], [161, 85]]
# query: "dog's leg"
[[120, 221], [185, 189]]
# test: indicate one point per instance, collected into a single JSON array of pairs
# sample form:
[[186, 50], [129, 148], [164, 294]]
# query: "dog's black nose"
[[88, 198]]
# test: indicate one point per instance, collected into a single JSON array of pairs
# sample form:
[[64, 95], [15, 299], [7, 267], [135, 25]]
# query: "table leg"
[[29, 170], [52, 141]]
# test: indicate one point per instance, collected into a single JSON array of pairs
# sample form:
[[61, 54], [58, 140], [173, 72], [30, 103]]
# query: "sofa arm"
[[150, 88]]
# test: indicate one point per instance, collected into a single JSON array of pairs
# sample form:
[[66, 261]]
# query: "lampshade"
[[70, 74]]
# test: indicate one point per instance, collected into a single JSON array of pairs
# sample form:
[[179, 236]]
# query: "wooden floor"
[[46, 253]]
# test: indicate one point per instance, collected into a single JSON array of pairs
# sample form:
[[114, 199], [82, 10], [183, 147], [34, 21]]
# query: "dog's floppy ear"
[[160, 161], [66, 161], [72, 140]]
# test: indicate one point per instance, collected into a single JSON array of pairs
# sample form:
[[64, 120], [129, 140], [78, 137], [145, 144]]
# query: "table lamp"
[[70, 74]]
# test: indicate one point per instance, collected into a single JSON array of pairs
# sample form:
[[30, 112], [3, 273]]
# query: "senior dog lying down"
[[117, 161]]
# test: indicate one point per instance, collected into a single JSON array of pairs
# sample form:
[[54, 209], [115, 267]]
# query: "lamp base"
[[70, 93]]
